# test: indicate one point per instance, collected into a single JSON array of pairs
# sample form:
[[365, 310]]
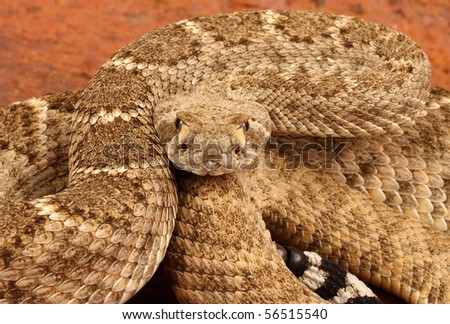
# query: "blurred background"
[[54, 45]]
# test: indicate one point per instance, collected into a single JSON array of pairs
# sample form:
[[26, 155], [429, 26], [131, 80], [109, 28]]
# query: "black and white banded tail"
[[325, 278]]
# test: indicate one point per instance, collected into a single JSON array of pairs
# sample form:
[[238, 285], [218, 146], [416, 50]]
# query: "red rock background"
[[55, 45]]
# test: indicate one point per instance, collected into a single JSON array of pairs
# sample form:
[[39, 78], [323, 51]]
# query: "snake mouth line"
[[212, 167], [215, 160], [211, 159]]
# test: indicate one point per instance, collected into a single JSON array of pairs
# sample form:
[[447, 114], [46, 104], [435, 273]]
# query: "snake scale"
[[313, 130]]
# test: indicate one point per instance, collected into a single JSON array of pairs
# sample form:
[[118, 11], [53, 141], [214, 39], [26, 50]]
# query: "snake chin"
[[209, 172], [203, 162]]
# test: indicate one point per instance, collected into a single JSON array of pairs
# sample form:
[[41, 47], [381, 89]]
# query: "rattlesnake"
[[226, 83]]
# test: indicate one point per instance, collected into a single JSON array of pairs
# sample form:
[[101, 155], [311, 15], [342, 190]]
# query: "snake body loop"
[[87, 213]]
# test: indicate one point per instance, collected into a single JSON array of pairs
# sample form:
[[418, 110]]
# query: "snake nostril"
[[235, 148], [183, 147]]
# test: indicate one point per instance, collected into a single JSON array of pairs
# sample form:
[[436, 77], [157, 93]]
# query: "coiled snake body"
[[252, 100]]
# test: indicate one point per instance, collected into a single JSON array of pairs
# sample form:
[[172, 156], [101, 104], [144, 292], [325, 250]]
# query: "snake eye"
[[178, 123], [246, 126]]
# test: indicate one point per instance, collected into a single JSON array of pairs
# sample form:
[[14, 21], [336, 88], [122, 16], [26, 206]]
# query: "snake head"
[[207, 135]]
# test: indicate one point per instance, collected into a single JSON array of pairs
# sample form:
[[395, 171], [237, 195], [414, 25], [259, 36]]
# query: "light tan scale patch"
[[191, 26], [128, 63], [104, 117]]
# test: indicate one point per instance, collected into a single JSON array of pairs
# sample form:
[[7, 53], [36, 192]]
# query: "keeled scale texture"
[[118, 212], [98, 241], [316, 211]]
